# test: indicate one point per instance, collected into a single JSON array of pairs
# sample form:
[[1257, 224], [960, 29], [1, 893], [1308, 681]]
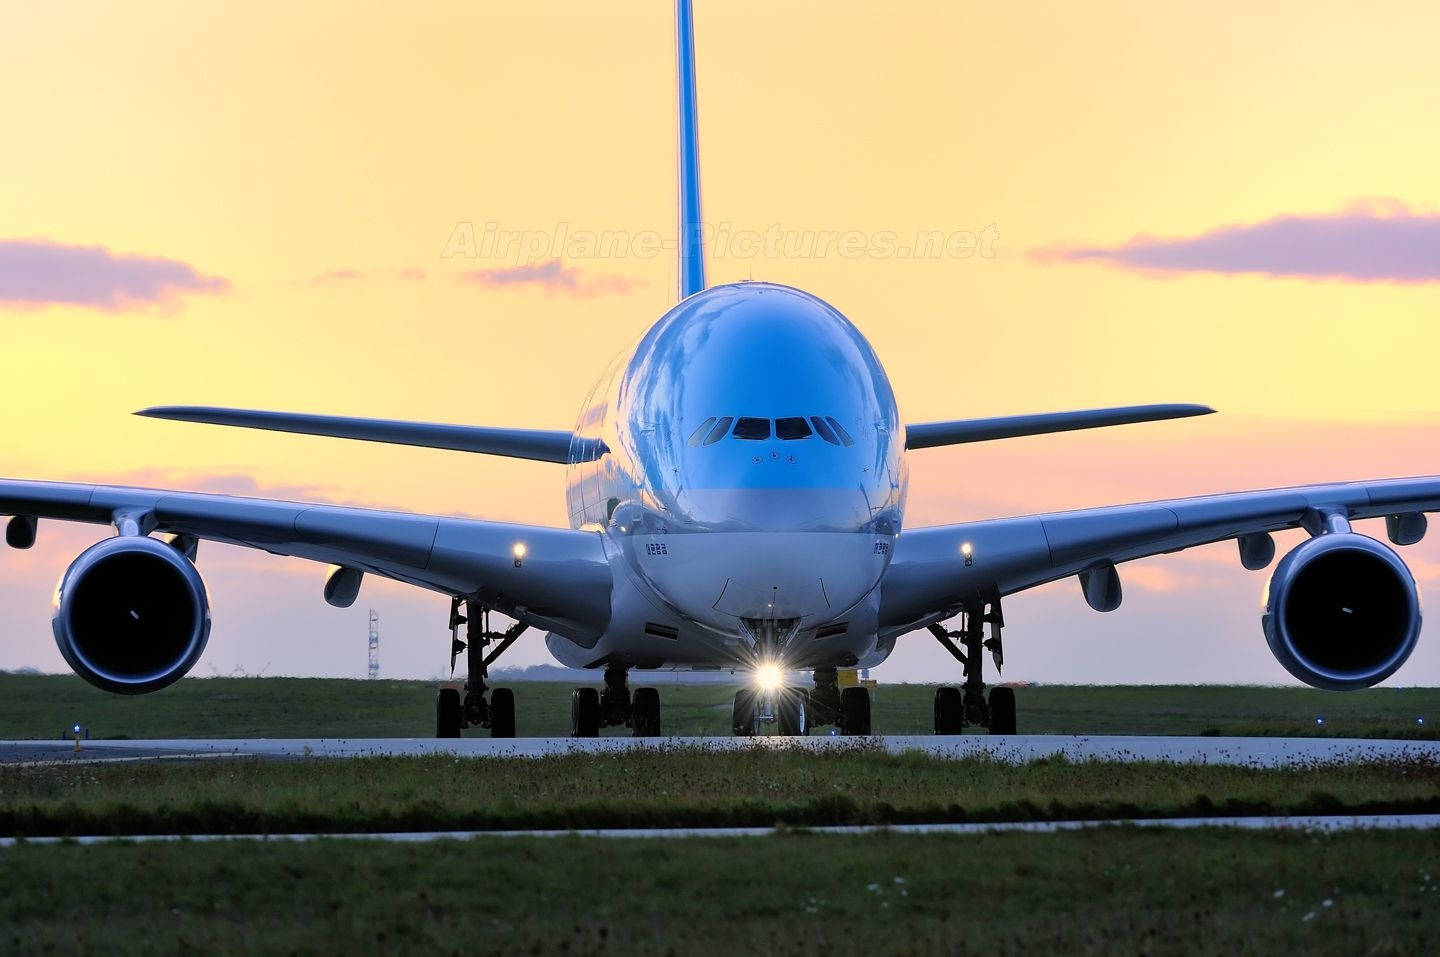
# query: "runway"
[[1306, 823], [1018, 749]]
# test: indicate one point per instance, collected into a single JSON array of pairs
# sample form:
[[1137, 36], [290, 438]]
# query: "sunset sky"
[[258, 205]]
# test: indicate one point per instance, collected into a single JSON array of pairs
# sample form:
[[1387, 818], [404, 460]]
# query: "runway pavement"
[[1249, 752], [1307, 823]]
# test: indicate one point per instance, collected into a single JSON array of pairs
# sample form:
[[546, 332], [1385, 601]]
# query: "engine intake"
[[1342, 611], [131, 615]]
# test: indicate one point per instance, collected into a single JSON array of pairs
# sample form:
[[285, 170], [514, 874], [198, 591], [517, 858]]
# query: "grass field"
[[678, 786], [1124, 890], [1097, 892], [41, 706]]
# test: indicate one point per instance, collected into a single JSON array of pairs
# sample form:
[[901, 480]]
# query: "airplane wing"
[[554, 579], [928, 435], [539, 445], [936, 571]]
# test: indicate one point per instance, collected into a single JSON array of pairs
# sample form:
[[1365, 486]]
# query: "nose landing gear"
[[454, 713], [794, 711], [955, 708]]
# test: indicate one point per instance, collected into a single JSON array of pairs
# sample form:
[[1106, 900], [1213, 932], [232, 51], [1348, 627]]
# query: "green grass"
[[41, 706], [676, 786], [1097, 892]]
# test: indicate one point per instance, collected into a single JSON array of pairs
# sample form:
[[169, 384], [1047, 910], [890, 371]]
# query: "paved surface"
[[1302, 823], [1251, 752]]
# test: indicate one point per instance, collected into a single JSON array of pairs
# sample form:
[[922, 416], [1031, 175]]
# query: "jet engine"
[[131, 615], [1342, 611]]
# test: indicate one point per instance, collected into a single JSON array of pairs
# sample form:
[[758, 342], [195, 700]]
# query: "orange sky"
[[269, 146]]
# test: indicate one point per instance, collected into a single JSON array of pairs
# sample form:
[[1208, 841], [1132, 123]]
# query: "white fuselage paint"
[[726, 547]]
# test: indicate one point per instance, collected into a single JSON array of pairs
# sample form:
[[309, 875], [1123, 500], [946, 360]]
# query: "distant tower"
[[374, 644]]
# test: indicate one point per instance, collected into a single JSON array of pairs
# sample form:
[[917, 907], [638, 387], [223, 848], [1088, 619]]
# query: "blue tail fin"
[[692, 250]]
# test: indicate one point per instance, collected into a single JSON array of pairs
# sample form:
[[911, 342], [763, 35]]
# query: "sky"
[[304, 207]]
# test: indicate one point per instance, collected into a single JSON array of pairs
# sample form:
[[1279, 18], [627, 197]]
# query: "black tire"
[[949, 711], [1002, 711], [502, 713], [447, 713], [645, 713], [742, 714], [855, 711], [585, 713], [791, 713]]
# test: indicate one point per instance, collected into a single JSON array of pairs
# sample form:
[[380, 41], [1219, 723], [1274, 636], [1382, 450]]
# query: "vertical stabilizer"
[[692, 251]]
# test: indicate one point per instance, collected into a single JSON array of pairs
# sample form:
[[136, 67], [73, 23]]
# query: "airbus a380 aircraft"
[[736, 487]]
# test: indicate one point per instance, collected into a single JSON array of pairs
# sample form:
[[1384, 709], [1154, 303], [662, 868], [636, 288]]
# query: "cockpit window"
[[823, 430], [750, 428], [840, 431], [756, 429], [792, 428], [718, 433], [701, 432]]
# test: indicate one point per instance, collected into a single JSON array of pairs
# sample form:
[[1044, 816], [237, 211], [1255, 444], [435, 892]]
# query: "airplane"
[[736, 487]]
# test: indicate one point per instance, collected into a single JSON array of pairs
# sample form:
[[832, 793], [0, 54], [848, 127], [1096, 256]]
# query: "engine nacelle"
[[1342, 611], [131, 615]]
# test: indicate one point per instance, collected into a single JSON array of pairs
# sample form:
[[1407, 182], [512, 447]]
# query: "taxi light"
[[769, 676]]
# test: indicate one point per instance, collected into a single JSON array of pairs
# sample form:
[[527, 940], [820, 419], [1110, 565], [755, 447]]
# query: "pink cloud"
[[553, 276], [35, 273], [344, 276], [1373, 240]]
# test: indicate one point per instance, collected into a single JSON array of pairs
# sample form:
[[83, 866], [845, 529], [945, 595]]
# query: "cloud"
[[336, 276], [1375, 240], [35, 273], [219, 482], [553, 276]]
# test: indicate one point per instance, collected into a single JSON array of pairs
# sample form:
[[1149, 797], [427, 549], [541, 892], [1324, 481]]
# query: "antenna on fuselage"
[[690, 246]]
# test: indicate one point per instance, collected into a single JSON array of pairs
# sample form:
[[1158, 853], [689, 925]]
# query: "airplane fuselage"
[[753, 487]]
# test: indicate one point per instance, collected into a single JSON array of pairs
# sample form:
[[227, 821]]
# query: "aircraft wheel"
[[502, 713], [447, 713], [855, 711], [791, 712], [742, 714], [585, 713], [1002, 711], [949, 711], [645, 714]]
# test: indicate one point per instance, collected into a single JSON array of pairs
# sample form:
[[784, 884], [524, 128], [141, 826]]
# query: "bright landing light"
[[769, 676]]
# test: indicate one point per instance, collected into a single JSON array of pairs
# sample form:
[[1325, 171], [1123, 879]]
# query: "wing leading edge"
[[931, 578], [563, 583], [927, 435], [540, 445]]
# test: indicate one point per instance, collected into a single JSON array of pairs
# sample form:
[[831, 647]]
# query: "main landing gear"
[[614, 707], [454, 713], [955, 708], [794, 711]]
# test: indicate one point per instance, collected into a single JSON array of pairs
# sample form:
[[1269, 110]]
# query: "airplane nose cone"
[[719, 577], [788, 575], [777, 509]]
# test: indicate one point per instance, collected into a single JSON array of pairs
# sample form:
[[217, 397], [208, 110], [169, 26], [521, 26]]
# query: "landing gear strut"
[[614, 707], [956, 708], [452, 713], [794, 711]]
